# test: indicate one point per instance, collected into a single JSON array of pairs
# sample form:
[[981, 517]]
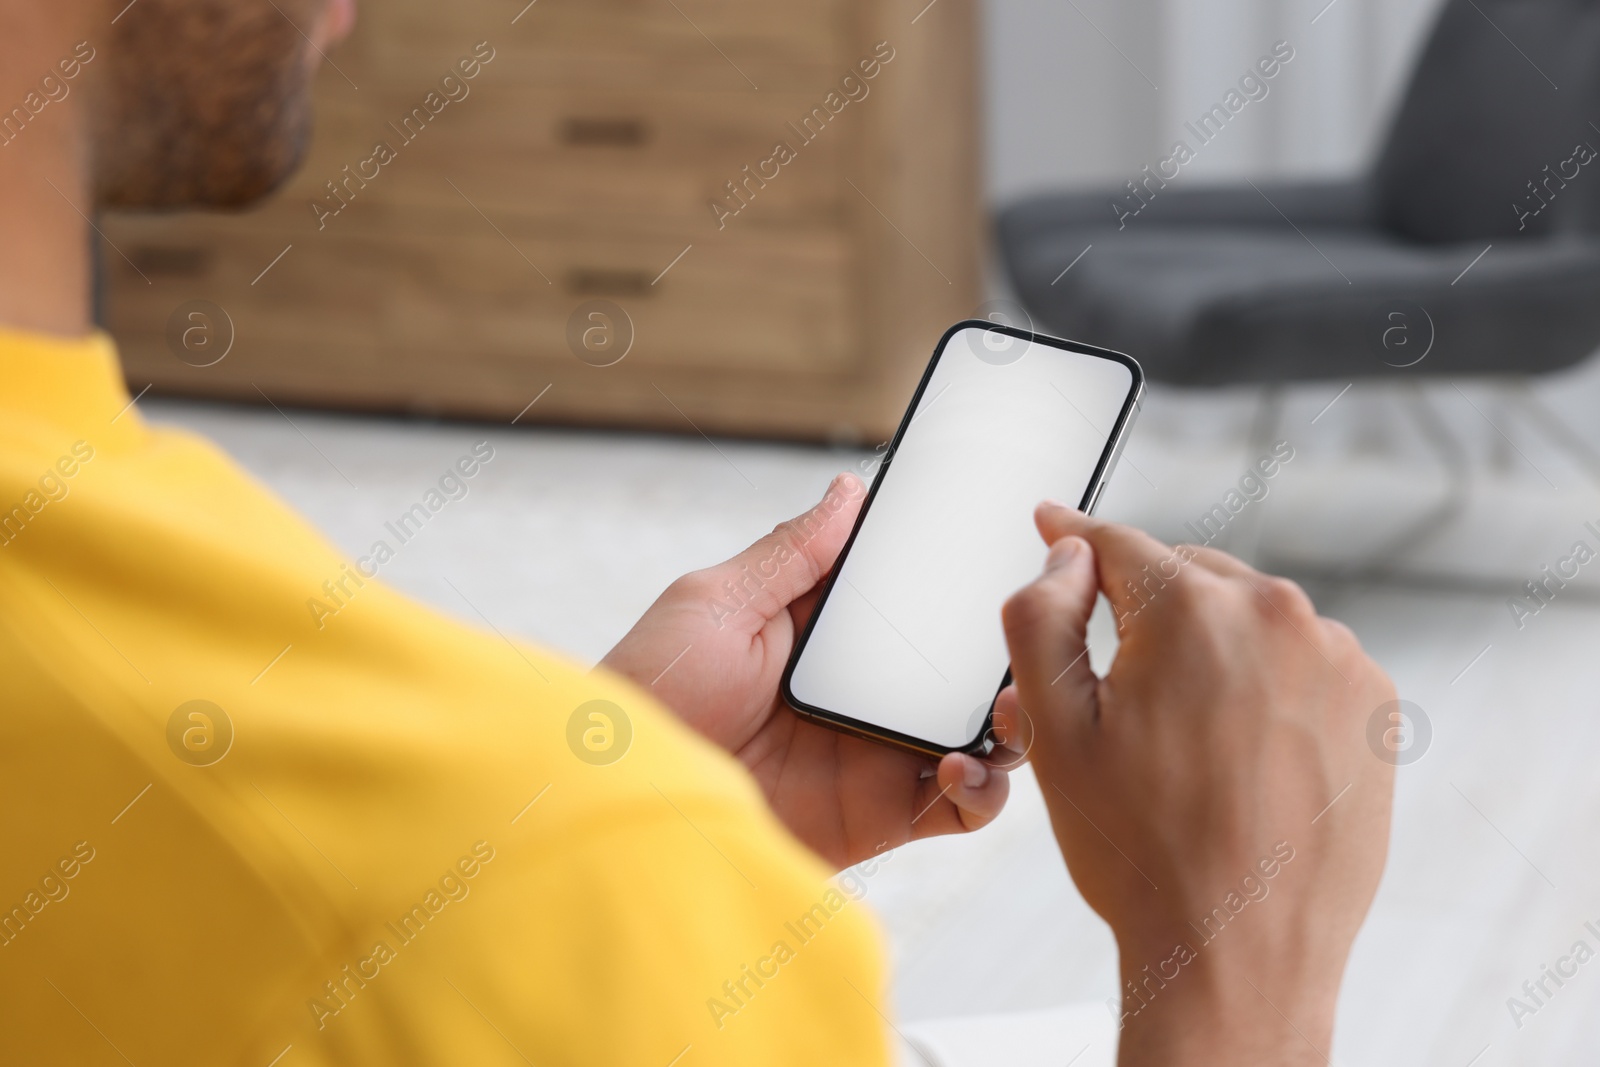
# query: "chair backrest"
[[1498, 135]]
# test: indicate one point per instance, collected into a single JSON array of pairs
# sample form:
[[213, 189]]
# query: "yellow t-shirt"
[[375, 842]]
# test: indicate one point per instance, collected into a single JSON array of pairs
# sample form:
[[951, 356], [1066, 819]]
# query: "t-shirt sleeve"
[[684, 935]]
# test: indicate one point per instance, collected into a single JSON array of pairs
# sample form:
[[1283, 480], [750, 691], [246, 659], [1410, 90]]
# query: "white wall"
[[1085, 92]]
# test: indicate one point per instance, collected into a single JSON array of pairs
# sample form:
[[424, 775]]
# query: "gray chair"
[[1470, 248], [1283, 282]]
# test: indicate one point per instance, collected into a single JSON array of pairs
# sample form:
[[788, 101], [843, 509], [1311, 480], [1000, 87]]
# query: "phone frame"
[[984, 742]]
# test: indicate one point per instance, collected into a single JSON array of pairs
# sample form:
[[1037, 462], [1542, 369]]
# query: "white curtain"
[[1086, 92]]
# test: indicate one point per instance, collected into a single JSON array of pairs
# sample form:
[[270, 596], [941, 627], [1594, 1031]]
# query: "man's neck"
[[46, 195]]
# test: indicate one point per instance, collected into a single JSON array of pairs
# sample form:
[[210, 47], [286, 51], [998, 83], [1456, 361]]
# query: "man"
[[236, 834]]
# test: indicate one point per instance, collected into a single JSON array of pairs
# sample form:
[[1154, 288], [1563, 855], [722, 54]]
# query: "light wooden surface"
[[581, 165]]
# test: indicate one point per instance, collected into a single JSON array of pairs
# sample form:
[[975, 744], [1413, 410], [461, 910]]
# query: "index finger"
[[1132, 566], [1121, 550]]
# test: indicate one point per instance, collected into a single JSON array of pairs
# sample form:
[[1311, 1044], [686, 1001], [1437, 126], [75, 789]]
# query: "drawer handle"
[[608, 282], [172, 261], [603, 133]]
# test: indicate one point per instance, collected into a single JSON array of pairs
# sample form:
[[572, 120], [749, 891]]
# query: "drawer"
[[698, 311], [616, 162], [709, 44], [377, 297]]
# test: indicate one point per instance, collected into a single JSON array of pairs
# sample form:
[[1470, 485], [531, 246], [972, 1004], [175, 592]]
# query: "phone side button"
[[1095, 498]]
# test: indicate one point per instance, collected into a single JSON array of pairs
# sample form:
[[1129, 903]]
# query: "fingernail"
[[975, 774], [1052, 502]]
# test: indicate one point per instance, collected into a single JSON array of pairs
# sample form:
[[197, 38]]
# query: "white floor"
[[1495, 864]]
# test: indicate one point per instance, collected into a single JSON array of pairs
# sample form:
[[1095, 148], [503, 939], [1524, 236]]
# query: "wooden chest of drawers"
[[735, 216]]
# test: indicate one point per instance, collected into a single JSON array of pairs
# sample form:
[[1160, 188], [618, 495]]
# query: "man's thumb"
[[792, 559]]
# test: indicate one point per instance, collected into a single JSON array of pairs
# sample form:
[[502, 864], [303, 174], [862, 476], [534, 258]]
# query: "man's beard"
[[206, 103]]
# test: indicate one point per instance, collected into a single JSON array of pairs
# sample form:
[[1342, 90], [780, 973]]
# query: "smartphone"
[[905, 645]]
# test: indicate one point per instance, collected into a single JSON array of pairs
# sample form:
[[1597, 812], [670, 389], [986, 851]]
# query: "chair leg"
[[1555, 428], [1243, 538], [1456, 460], [1502, 458]]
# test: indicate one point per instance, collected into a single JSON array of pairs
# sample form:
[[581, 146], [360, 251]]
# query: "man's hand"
[[713, 647], [1214, 794]]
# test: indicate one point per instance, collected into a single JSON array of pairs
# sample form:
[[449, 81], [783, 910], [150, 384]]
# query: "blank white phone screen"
[[910, 638]]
